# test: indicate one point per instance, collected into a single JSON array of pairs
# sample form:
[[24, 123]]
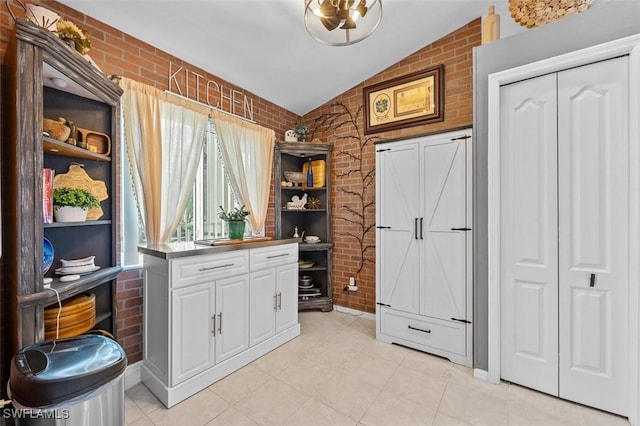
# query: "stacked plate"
[[77, 266], [77, 316]]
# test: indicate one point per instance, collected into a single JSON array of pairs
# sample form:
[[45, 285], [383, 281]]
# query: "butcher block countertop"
[[196, 248]]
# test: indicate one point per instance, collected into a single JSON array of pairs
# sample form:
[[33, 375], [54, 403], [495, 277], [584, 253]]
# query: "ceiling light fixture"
[[341, 22]]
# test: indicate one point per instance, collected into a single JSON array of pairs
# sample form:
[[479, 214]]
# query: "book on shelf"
[[47, 195]]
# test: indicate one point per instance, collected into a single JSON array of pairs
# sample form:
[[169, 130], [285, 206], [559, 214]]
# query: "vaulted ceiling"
[[263, 47]]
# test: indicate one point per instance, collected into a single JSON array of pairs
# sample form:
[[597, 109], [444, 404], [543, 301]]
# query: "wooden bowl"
[[56, 129]]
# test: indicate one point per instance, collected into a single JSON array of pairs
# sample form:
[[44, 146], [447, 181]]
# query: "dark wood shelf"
[[55, 147], [69, 289], [303, 188], [302, 210], [324, 303], [71, 224], [293, 156]]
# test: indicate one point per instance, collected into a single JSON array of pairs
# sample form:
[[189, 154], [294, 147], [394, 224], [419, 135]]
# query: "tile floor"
[[336, 373]]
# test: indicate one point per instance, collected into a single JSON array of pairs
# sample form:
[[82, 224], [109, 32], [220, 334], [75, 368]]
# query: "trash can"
[[73, 382]]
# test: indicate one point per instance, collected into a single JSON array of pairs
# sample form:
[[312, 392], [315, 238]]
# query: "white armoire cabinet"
[[564, 233], [423, 247]]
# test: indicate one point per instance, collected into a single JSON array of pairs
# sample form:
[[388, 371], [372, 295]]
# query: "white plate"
[[59, 271], [304, 264], [311, 242]]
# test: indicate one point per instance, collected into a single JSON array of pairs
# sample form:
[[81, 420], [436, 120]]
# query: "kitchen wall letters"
[[216, 94]]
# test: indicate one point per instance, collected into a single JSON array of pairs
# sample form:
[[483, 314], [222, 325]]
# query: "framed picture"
[[405, 101]]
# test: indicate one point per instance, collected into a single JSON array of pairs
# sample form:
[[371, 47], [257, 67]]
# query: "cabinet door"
[[397, 220], [262, 297], [192, 340], [593, 184], [443, 287], [287, 297], [529, 239], [232, 316]]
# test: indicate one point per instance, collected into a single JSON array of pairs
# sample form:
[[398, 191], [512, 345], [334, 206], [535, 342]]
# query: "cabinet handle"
[[215, 267], [279, 301], [277, 255], [213, 325], [592, 280], [220, 323], [415, 227], [461, 229], [418, 329], [275, 302], [421, 237]]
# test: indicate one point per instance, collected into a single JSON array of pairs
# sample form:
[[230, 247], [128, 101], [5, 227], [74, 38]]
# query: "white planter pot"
[[70, 214]]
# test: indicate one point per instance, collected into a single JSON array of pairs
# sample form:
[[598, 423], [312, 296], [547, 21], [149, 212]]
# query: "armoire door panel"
[[398, 215], [443, 177], [593, 185], [445, 291], [529, 256]]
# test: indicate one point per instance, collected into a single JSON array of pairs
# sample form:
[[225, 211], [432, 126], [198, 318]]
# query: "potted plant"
[[302, 131], [235, 220], [71, 204]]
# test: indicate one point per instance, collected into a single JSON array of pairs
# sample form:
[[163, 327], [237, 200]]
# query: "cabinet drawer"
[[268, 257], [444, 335], [197, 269]]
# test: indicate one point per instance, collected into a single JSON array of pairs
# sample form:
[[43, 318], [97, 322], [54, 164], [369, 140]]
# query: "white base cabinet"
[[209, 315]]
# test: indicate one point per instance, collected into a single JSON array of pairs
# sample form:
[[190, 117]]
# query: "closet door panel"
[[397, 208], [593, 179], [443, 177], [529, 280]]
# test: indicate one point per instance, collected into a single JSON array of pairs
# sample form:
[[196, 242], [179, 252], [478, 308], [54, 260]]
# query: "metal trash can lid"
[[48, 373]]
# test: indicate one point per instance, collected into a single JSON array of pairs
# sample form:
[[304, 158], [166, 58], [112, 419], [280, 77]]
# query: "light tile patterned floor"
[[336, 373]]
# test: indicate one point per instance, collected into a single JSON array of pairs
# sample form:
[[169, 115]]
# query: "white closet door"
[[443, 175], [529, 257], [593, 178], [397, 208]]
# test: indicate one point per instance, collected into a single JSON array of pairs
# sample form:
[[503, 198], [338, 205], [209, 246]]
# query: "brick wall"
[[455, 52], [118, 53]]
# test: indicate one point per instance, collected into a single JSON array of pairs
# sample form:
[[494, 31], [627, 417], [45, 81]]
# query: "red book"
[[47, 195]]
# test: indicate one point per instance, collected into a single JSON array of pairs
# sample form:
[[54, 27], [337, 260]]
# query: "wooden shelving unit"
[[35, 60], [291, 156]]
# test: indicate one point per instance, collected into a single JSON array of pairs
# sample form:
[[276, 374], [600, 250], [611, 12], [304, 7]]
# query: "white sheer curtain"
[[247, 151], [164, 136]]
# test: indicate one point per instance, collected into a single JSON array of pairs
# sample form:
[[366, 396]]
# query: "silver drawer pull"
[[279, 301], [275, 302], [215, 267], [213, 324], [418, 329], [220, 323], [277, 255]]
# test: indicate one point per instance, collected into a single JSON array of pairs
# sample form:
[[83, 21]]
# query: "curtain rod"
[[211, 107]]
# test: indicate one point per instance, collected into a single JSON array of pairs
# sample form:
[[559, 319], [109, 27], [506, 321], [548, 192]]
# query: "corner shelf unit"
[[34, 62], [291, 156]]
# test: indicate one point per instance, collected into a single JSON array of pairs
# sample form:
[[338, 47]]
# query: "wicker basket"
[[318, 168]]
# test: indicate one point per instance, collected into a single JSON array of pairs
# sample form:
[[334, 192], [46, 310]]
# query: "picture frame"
[[410, 100]]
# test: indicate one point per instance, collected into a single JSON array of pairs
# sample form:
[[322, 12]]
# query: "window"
[[211, 190]]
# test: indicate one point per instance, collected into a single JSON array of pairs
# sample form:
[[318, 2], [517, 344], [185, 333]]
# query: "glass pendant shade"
[[341, 22]]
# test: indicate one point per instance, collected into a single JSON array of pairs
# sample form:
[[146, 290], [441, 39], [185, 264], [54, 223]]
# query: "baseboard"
[[132, 376], [481, 374], [355, 312]]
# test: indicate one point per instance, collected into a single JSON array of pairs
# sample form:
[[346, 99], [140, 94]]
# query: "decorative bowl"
[[56, 129], [311, 239], [296, 177]]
